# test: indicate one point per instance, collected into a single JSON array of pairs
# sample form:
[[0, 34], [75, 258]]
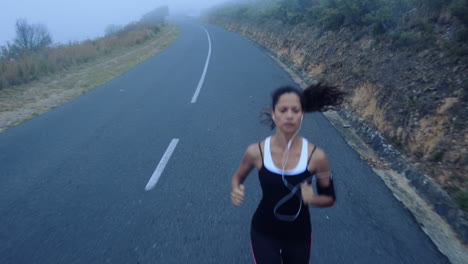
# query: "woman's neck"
[[282, 140]]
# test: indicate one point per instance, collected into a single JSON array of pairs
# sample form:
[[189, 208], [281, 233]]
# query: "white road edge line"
[[202, 79], [162, 164]]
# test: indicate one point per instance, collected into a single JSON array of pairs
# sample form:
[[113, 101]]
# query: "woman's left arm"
[[325, 196]]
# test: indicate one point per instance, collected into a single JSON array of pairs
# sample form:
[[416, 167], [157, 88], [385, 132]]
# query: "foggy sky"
[[77, 20]]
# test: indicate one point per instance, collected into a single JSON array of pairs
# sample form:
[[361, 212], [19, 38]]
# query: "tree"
[[31, 37]]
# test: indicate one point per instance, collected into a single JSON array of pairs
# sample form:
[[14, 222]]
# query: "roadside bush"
[[459, 8], [378, 16], [462, 199], [405, 23], [404, 39], [3, 83], [331, 19]]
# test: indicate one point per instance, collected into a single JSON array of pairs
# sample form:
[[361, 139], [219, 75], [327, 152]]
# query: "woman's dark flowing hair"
[[315, 98]]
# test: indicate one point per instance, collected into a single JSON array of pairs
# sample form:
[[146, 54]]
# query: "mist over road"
[[72, 181]]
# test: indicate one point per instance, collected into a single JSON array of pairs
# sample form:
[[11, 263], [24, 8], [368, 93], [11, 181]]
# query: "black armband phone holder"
[[329, 190]]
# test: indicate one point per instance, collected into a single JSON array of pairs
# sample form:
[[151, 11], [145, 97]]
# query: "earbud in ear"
[[302, 117], [273, 117]]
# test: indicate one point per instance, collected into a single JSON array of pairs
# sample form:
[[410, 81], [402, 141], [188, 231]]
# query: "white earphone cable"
[[293, 189]]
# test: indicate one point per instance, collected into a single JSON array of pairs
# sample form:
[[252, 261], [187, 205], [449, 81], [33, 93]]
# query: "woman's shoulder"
[[316, 152], [254, 149], [318, 160]]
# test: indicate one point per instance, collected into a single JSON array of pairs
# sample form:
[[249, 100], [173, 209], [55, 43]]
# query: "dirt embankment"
[[409, 105]]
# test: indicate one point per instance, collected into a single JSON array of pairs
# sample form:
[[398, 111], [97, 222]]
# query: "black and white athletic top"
[[274, 189]]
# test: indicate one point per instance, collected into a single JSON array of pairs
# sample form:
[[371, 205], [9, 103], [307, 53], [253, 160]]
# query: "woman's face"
[[288, 113]]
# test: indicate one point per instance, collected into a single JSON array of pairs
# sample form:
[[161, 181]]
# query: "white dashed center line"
[[162, 164]]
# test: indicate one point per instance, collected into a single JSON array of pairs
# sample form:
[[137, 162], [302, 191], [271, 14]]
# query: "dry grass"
[[365, 102]]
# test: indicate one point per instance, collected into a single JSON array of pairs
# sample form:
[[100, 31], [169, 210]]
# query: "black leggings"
[[270, 251]]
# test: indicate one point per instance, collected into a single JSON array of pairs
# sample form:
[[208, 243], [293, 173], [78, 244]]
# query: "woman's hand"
[[237, 195], [310, 198], [308, 193]]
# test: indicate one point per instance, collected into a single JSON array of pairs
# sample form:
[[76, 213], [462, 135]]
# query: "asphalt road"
[[72, 181]]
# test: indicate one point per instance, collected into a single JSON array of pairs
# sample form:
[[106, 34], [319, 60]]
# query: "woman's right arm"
[[245, 167]]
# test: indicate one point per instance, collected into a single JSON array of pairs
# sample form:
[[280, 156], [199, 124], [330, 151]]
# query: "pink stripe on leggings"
[[310, 254], [253, 254]]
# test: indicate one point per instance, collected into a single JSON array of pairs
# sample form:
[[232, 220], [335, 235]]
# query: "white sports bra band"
[[270, 165]]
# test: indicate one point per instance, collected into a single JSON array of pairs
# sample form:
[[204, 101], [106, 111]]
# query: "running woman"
[[280, 229]]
